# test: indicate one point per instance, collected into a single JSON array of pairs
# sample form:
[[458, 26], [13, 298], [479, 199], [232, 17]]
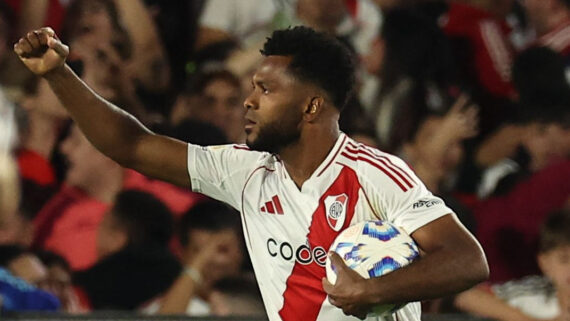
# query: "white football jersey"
[[288, 231]]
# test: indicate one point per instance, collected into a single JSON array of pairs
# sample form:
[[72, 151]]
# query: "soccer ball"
[[373, 248]]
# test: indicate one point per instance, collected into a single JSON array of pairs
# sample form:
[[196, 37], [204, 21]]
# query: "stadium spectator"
[[533, 297], [45, 122], [551, 20], [132, 244], [412, 60], [68, 223], [16, 295], [214, 96], [538, 75], [480, 28], [128, 28], [58, 282], [212, 250], [22, 264], [483, 56], [436, 150], [236, 296]]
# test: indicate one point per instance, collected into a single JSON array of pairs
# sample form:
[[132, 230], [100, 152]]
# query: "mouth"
[[249, 125]]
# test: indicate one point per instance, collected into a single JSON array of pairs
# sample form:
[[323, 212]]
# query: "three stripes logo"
[[273, 206]]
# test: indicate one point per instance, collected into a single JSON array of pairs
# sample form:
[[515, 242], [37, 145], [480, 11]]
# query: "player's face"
[[275, 106]]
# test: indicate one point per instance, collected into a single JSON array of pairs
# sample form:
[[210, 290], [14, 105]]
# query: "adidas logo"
[[273, 206]]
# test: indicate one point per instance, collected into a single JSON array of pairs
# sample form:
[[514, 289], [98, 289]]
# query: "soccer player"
[[297, 183]]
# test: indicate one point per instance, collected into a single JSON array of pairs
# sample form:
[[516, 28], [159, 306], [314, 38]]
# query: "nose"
[[251, 101]]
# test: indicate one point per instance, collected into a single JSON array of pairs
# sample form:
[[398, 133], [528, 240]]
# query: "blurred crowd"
[[473, 94]]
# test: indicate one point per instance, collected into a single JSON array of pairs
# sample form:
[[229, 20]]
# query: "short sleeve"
[[221, 172], [397, 193]]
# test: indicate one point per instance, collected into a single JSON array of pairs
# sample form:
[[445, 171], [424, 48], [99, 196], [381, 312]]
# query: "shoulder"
[[378, 167]]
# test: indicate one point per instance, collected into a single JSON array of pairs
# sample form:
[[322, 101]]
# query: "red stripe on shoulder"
[[376, 165], [379, 154], [386, 162], [241, 147]]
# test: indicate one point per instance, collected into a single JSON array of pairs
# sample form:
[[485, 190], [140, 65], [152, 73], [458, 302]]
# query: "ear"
[[313, 108]]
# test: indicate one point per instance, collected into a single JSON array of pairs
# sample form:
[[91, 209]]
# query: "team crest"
[[335, 207]]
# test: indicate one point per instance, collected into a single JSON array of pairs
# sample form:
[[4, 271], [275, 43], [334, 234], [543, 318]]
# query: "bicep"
[[163, 158], [446, 233]]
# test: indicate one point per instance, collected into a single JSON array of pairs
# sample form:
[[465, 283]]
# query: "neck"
[[302, 158]]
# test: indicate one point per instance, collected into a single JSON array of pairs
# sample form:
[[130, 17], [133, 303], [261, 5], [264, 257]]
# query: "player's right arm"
[[114, 132]]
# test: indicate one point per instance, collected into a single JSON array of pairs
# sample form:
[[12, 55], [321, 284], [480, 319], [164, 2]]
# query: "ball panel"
[[373, 249]]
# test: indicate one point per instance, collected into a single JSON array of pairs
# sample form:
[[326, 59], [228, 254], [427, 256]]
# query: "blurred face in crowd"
[[225, 260], [453, 154], [58, 282], [546, 143], [29, 268], [276, 106], [85, 163], [43, 100], [555, 264], [111, 236], [222, 105], [94, 24]]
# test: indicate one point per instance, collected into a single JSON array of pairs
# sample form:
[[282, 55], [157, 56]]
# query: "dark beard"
[[273, 138]]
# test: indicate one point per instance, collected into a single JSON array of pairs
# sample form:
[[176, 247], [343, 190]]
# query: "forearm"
[[176, 300], [110, 129], [437, 274], [481, 303]]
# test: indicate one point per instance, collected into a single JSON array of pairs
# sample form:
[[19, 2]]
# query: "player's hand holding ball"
[[41, 51], [362, 251]]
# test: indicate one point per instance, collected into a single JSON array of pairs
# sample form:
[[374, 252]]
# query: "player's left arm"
[[451, 261]]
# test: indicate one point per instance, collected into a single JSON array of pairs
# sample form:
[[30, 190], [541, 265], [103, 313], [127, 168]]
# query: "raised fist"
[[41, 51]]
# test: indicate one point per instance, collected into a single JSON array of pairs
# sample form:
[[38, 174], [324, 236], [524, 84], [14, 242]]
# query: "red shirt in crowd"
[[508, 226], [490, 51], [68, 223]]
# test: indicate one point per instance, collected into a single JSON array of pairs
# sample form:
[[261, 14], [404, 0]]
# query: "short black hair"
[[212, 216], [50, 259], [316, 57], [555, 231], [198, 82], [539, 77], [10, 252], [199, 133], [415, 47], [146, 219]]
